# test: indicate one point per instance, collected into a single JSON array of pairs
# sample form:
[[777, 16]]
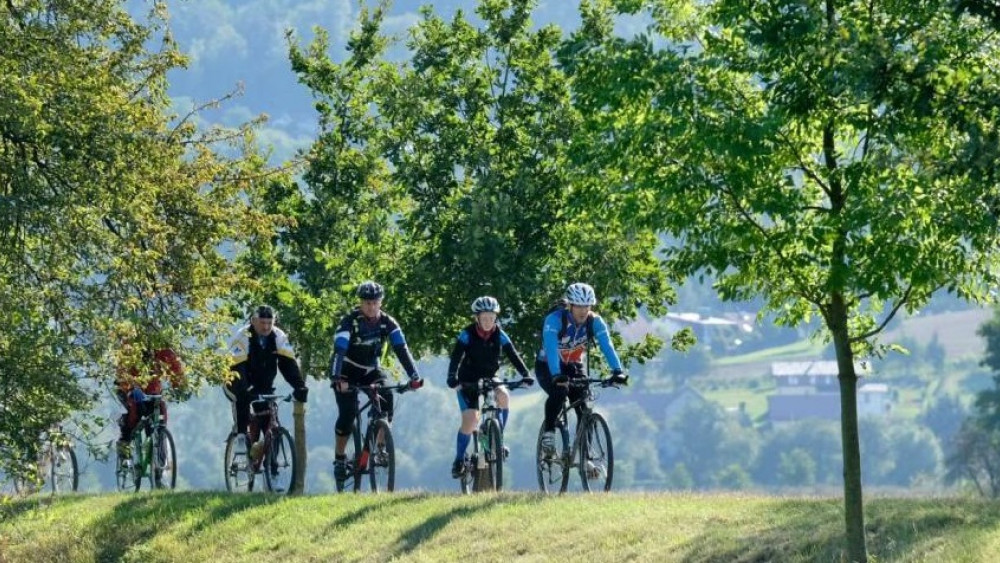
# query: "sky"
[[241, 44]]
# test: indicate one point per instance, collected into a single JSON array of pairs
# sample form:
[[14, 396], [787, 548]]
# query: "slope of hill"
[[522, 527]]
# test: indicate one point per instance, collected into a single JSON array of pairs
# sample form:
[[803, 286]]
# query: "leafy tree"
[[733, 477], [709, 441], [836, 159], [796, 468], [818, 438], [974, 457], [482, 120], [341, 228], [446, 177], [917, 454], [114, 211], [944, 417]]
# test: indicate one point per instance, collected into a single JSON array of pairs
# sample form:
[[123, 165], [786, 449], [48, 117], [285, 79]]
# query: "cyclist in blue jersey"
[[357, 349], [567, 334], [476, 356]]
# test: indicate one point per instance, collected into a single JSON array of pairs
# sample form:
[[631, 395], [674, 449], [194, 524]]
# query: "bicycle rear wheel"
[[239, 476], [492, 479], [553, 472], [382, 457], [163, 462], [468, 474], [597, 461], [64, 472], [279, 461]]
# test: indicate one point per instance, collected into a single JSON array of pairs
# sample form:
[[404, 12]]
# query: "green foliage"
[[834, 159], [796, 468], [446, 177], [114, 211]]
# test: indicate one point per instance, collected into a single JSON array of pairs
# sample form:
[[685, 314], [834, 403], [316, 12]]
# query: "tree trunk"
[[299, 478], [854, 517]]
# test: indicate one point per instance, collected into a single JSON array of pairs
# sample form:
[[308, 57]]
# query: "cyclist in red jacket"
[[135, 382]]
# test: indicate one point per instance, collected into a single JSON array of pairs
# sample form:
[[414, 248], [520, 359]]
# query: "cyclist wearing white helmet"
[[567, 333], [476, 356], [358, 347]]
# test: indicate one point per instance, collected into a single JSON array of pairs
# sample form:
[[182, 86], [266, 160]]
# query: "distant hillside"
[[523, 527], [956, 331]]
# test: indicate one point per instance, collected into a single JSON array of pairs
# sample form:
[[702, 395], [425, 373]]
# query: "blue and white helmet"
[[485, 304], [580, 294]]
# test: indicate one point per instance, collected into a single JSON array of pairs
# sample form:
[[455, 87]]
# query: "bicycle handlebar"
[[483, 385], [588, 381], [398, 388], [263, 397]]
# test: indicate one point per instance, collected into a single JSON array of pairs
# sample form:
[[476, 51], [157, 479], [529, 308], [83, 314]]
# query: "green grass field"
[[208, 526]]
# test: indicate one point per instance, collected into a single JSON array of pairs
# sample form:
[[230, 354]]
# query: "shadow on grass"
[[369, 511], [414, 537], [812, 531], [134, 522], [14, 507]]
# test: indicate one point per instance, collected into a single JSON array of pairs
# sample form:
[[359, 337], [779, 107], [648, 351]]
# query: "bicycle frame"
[[360, 464], [482, 457], [591, 436]]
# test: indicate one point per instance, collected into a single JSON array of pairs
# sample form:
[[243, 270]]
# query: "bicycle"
[[56, 466], [591, 447], [152, 453], [483, 469], [377, 457], [276, 458]]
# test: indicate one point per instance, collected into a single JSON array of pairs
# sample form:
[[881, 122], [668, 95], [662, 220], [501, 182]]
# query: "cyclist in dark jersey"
[[476, 356], [358, 346], [565, 337]]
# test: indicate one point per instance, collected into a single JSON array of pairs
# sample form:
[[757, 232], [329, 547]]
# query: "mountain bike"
[[56, 466], [273, 455], [376, 454], [591, 450], [151, 453], [484, 467]]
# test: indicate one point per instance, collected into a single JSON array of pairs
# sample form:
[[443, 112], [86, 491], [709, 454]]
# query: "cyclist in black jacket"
[[357, 349], [477, 356], [258, 350]]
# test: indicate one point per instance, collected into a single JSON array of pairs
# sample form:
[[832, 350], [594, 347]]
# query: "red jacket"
[[164, 362]]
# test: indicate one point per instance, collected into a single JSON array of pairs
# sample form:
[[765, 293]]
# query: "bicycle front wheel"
[[239, 476], [553, 470], [64, 472], [493, 478], [163, 465], [356, 460], [279, 461], [381, 458], [597, 460]]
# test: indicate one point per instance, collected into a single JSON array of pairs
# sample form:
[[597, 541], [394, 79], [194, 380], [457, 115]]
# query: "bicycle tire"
[[597, 460], [552, 470], [64, 471], [279, 461], [137, 458], [381, 461], [465, 482], [493, 479], [236, 465], [163, 461]]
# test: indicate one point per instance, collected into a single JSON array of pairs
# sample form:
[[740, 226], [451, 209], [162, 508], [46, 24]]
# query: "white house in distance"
[[810, 389]]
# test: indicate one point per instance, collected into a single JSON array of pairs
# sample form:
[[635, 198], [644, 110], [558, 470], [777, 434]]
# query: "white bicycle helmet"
[[485, 304], [580, 294]]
